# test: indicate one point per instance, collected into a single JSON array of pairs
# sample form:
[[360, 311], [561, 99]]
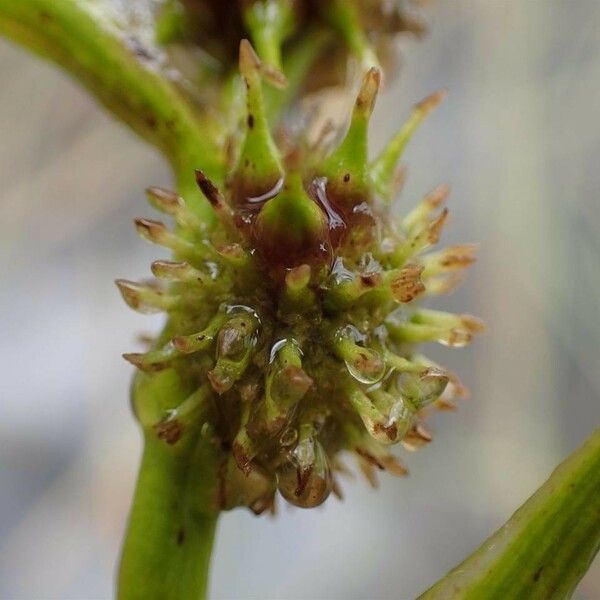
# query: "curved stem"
[[110, 48], [546, 546]]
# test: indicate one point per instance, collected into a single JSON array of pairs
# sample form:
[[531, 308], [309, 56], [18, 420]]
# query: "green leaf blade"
[[545, 547]]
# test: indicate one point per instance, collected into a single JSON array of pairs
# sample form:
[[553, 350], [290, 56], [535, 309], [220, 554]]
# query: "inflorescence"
[[295, 321]]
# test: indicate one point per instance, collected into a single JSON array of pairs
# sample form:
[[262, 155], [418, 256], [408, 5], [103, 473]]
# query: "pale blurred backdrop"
[[519, 141]]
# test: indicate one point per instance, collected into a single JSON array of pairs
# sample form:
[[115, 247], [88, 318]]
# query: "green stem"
[[112, 51], [167, 548], [547, 545]]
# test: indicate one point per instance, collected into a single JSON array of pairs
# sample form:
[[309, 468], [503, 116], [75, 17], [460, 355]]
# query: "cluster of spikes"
[[295, 321]]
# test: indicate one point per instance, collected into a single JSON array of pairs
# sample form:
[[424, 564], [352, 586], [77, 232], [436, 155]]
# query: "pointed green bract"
[[383, 168], [348, 162], [259, 165]]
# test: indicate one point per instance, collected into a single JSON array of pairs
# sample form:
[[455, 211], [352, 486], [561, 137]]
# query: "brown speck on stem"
[[180, 536], [169, 431]]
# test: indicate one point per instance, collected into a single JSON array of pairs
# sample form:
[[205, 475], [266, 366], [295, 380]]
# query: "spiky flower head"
[[294, 324]]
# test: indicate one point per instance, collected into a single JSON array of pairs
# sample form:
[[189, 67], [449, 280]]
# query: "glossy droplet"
[[305, 478], [364, 364], [286, 384], [400, 420], [235, 342], [367, 366], [423, 389], [390, 419], [288, 437]]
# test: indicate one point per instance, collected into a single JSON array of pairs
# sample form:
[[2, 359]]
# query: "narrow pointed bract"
[[383, 168], [347, 163], [259, 166]]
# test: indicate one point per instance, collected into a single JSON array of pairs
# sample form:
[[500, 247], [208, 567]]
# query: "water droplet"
[[260, 199], [305, 478], [367, 366], [288, 437], [424, 388]]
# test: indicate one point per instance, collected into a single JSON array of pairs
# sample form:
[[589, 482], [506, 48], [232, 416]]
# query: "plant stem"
[[167, 548], [115, 56], [168, 543], [546, 546]]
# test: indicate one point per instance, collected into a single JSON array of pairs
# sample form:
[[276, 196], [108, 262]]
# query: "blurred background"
[[519, 141]]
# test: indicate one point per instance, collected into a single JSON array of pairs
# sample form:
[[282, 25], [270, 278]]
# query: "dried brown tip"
[[472, 324], [365, 101], [370, 458], [135, 358], [150, 229], [426, 105], [399, 180], [130, 290], [458, 257], [437, 196], [435, 228], [250, 62], [163, 199], [456, 388], [417, 437], [169, 269], [392, 465], [369, 472], [145, 339], [336, 489]]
